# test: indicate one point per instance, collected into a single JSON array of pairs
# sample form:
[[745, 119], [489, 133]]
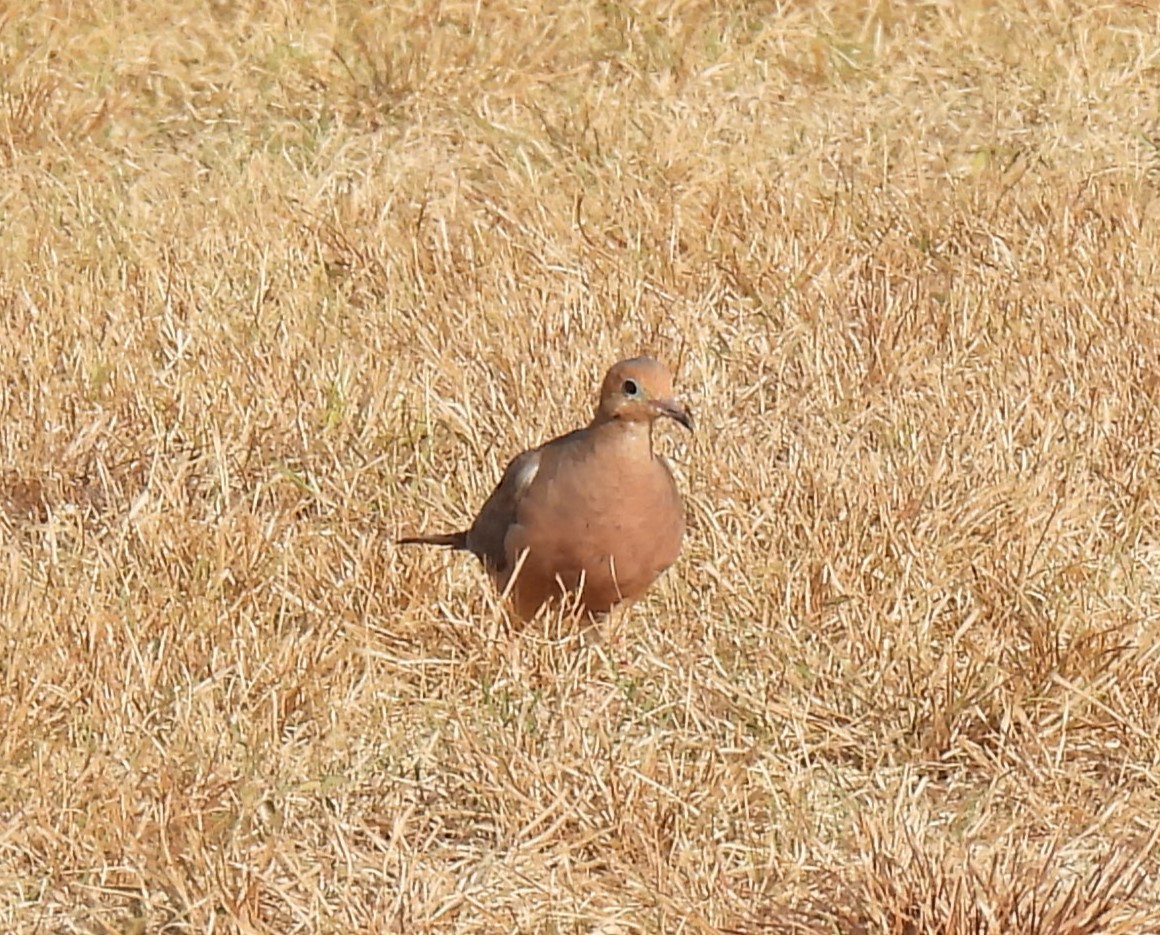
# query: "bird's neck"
[[628, 435]]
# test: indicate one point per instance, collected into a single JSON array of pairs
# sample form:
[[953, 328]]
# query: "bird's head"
[[640, 390]]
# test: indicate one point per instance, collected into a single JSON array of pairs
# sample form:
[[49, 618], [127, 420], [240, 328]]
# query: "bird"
[[593, 516]]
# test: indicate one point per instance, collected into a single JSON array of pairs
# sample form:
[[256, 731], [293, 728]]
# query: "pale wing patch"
[[524, 471]]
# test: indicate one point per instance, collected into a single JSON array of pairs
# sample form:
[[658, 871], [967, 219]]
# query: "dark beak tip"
[[677, 413]]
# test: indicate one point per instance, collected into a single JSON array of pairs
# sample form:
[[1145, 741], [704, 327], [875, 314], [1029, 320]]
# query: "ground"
[[281, 282]]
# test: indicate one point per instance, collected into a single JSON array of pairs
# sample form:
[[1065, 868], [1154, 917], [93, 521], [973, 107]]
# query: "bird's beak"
[[674, 410]]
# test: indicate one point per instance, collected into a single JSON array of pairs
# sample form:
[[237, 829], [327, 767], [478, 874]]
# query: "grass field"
[[282, 281]]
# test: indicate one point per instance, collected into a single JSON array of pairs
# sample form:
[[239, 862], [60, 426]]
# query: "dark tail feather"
[[453, 540]]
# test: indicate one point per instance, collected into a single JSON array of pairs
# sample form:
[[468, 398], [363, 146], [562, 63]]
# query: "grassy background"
[[282, 280]]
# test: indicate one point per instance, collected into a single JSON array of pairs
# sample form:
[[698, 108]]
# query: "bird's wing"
[[498, 513]]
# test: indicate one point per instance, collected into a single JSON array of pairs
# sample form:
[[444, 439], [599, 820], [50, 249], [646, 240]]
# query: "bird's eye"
[[630, 388]]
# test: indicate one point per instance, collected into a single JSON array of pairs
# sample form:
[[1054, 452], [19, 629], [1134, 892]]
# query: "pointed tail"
[[453, 540]]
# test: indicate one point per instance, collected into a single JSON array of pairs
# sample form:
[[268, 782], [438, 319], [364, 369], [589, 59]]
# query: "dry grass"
[[281, 280]]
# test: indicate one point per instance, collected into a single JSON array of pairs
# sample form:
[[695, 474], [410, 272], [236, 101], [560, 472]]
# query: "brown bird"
[[594, 514]]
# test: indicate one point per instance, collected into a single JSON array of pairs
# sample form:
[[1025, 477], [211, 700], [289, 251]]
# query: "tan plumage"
[[597, 512]]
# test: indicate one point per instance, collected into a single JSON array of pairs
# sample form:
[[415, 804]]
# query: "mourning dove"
[[595, 514]]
